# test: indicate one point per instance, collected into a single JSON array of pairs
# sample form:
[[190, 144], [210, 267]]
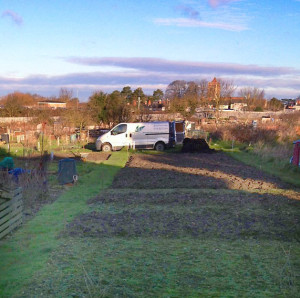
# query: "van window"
[[119, 129]]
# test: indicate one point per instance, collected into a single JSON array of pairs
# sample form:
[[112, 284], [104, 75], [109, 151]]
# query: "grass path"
[[28, 250]]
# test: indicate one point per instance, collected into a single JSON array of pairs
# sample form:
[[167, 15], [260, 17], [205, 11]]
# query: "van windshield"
[[119, 129]]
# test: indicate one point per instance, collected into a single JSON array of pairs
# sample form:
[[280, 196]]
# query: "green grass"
[[20, 150], [118, 267], [27, 251]]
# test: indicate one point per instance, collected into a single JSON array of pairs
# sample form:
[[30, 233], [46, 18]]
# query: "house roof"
[[51, 101]]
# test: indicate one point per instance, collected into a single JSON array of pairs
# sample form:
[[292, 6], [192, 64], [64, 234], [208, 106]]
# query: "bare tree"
[[176, 89], [254, 97], [65, 94], [202, 92], [13, 105], [78, 118]]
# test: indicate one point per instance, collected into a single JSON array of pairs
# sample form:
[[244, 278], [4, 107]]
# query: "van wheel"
[[160, 146], [106, 147]]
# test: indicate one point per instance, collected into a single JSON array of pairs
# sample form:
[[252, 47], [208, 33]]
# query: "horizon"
[[88, 46]]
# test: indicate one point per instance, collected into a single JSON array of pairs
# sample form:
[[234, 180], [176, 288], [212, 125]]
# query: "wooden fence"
[[11, 210]]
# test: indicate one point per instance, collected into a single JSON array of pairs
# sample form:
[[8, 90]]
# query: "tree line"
[[121, 106]]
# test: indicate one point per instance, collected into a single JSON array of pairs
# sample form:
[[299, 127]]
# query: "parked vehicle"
[[143, 135]]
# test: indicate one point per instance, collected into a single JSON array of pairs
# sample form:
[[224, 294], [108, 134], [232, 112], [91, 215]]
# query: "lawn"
[[131, 238]]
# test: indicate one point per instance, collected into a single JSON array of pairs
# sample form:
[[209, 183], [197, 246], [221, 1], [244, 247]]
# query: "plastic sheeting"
[[7, 163]]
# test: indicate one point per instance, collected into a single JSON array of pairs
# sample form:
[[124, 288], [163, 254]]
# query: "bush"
[[245, 134]]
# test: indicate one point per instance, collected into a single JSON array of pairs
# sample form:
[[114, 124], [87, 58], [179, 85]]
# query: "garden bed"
[[191, 170]]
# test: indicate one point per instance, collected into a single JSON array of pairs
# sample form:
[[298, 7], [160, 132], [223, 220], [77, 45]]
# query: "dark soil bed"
[[189, 170], [192, 214], [96, 157]]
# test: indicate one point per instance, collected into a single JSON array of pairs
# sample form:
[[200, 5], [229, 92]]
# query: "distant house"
[[52, 104], [238, 106], [223, 107], [297, 107], [288, 103]]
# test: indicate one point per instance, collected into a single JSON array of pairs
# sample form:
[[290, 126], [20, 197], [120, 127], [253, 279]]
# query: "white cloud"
[[153, 73], [184, 22], [158, 65]]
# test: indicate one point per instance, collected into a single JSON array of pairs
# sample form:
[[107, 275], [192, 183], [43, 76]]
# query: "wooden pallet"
[[11, 210]]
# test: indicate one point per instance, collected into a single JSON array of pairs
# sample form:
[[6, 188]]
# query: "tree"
[[127, 93], [185, 106], [224, 91], [116, 109], [41, 116], [16, 102], [192, 89], [275, 104], [97, 106], [79, 118], [73, 103], [65, 94], [254, 97], [139, 96], [176, 89], [109, 108], [203, 92], [158, 95], [13, 105]]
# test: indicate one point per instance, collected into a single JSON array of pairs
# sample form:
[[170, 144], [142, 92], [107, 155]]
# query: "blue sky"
[[89, 45]]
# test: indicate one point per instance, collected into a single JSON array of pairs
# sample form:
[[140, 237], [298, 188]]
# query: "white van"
[[143, 135]]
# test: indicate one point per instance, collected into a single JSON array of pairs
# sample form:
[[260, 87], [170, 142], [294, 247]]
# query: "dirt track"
[[210, 171]]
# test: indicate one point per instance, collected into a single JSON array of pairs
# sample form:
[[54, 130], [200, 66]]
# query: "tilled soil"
[[96, 157], [191, 195], [181, 213], [170, 224], [188, 170]]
